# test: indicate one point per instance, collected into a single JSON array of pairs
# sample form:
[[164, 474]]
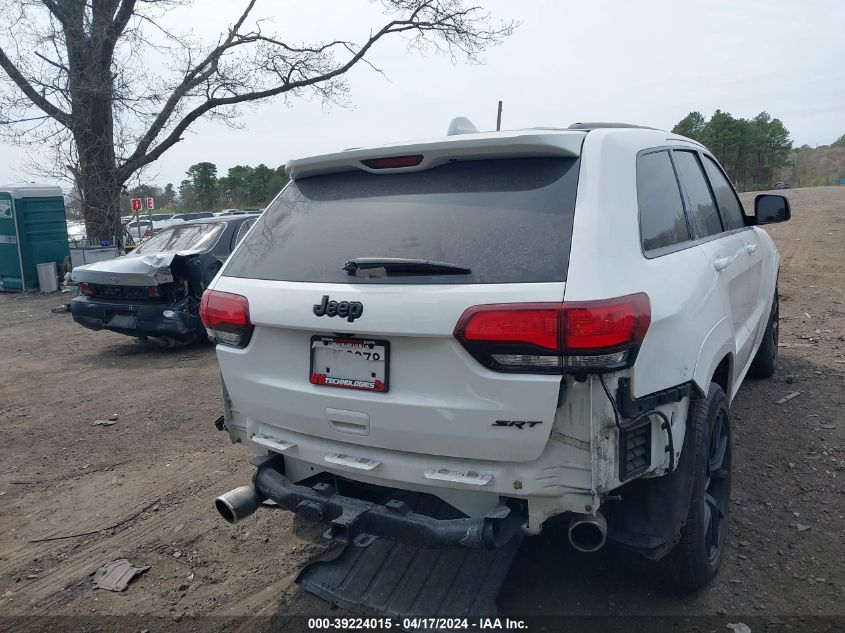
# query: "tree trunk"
[[97, 177], [97, 183], [91, 84]]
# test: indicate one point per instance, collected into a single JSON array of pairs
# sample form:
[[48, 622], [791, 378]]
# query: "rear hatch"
[[366, 353]]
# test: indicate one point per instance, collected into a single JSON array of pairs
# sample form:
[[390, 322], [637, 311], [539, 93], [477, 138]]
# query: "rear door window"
[[662, 219], [729, 205], [702, 207], [182, 237], [509, 220]]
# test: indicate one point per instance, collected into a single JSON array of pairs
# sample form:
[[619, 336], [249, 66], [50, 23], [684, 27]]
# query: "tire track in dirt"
[[87, 558], [42, 595]]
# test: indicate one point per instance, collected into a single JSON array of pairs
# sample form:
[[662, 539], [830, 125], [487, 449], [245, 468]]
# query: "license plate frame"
[[379, 384]]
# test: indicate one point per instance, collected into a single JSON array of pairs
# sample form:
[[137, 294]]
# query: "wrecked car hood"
[[132, 270]]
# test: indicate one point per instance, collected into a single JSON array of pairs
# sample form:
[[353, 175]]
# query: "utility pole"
[[499, 118]]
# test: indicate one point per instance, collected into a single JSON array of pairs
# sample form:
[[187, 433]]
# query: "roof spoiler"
[[462, 145]]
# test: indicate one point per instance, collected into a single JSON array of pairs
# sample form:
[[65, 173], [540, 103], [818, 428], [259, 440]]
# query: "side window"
[[242, 229], [662, 220], [729, 206], [705, 216]]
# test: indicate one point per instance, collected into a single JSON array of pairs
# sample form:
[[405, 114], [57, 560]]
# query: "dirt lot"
[[156, 471]]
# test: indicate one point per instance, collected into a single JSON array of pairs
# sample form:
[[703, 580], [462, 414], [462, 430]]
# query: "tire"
[[694, 561], [763, 365]]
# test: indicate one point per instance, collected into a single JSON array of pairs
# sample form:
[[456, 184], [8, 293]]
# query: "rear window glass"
[[509, 220], [183, 237]]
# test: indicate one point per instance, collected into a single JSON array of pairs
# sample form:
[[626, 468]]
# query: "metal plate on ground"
[[403, 580]]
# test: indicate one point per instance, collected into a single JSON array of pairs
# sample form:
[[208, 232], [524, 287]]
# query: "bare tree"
[[77, 81]]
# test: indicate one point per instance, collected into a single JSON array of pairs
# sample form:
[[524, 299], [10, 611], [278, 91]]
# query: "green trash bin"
[[33, 231]]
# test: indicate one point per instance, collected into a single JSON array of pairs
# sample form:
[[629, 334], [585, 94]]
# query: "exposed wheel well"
[[722, 375]]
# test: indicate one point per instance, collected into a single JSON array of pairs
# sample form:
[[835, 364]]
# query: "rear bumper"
[[348, 517], [474, 487], [134, 319]]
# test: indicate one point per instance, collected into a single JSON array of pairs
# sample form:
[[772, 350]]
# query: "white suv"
[[523, 324]]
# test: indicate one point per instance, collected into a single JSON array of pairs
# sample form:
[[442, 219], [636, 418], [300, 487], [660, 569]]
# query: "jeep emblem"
[[349, 309]]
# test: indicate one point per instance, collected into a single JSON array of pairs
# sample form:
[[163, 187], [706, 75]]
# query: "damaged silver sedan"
[[155, 291]]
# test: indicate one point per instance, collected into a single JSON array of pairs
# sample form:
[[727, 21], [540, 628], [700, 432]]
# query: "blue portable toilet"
[[33, 231]]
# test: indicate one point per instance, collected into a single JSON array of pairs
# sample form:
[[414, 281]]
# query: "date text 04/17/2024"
[[417, 623]]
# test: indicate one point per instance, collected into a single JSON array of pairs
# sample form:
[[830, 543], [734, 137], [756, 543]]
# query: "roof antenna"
[[461, 125]]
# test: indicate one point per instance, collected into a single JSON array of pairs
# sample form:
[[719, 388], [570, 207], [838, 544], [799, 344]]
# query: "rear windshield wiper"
[[381, 266]]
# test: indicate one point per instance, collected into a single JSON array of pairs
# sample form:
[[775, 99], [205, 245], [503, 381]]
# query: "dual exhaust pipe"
[[587, 532]]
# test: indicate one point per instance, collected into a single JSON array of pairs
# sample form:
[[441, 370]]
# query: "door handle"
[[750, 248], [723, 262]]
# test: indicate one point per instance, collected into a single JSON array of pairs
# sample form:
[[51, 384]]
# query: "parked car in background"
[[145, 225], [76, 233], [139, 229], [155, 291], [198, 215], [226, 212], [161, 220], [781, 185]]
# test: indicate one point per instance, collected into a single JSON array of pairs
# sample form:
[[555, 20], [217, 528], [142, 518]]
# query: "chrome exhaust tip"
[[237, 504], [588, 532]]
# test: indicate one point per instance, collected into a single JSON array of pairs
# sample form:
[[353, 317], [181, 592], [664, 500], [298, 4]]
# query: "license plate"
[[125, 321], [349, 363]]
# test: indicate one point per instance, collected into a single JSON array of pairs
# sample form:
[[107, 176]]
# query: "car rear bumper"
[[558, 481], [134, 319]]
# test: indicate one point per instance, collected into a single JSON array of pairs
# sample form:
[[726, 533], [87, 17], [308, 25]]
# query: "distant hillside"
[[815, 167]]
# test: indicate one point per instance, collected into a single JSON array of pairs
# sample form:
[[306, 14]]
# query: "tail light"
[[550, 338], [85, 289], [226, 318], [147, 233], [153, 291]]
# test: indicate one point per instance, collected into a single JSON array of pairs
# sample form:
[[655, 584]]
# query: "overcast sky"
[[641, 61]]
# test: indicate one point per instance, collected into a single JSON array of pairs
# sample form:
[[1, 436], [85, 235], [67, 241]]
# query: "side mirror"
[[769, 208]]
